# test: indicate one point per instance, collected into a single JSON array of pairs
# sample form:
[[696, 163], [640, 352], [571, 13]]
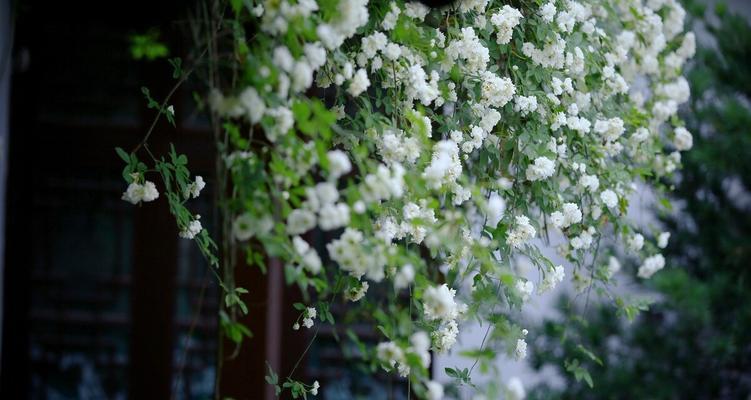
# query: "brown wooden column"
[[242, 377], [152, 306], [154, 262]]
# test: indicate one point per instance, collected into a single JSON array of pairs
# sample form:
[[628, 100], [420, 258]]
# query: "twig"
[[186, 346]]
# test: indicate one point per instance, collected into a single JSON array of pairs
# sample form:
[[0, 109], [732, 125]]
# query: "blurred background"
[[102, 300]]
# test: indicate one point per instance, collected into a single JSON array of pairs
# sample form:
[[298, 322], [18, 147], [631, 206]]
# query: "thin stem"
[[313, 339], [487, 331], [186, 346]]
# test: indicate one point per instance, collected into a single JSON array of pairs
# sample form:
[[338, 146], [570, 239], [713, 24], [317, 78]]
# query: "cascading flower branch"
[[437, 146]]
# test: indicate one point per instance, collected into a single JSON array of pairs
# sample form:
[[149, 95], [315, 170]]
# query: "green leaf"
[[123, 155], [176, 64], [148, 46]]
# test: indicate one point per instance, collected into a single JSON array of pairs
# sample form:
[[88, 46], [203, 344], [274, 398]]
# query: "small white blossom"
[[435, 390], [137, 192], [525, 289], [521, 233], [520, 352], [651, 265], [300, 221], [662, 240], [439, 303], [404, 276], [194, 228], [194, 188], [356, 293], [542, 168], [609, 198], [309, 315], [514, 387], [359, 83], [683, 140], [339, 163], [636, 242], [613, 266]]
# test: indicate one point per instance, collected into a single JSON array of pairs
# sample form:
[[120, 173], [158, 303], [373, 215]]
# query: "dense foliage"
[[695, 341], [433, 146]]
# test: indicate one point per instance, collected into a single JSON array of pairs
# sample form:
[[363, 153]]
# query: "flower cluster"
[[448, 140]]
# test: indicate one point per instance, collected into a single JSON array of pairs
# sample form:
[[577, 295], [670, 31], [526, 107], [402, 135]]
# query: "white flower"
[[547, 12], [439, 303], [252, 104], [316, 54], [636, 242], [371, 45], [194, 188], [356, 293], [339, 163], [613, 266], [348, 251], [552, 279], [570, 215], [359, 83], [310, 259], [525, 104], [525, 289], [314, 389], [445, 166], [494, 211], [435, 390], [589, 182], [391, 17], [137, 192], [496, 91], [520, 352], [282, 58], [584, 240], [610, 129], [419, 87], [300, 221], [245, 226], [557, 219], [404, 276], [283, 122], [504, 21], [308, 315], [640, 135], [542, 168], [416, 10], [359, 207], [521, 233], [392, 51], [324, 193], [651, 265], [302, 76], [445, 337], [609, 198], [470, 49], [333, 216], [194, 228], [390, 354], [662, 240], [242, 227], [420, 342], [515, 387], [683, 139]]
